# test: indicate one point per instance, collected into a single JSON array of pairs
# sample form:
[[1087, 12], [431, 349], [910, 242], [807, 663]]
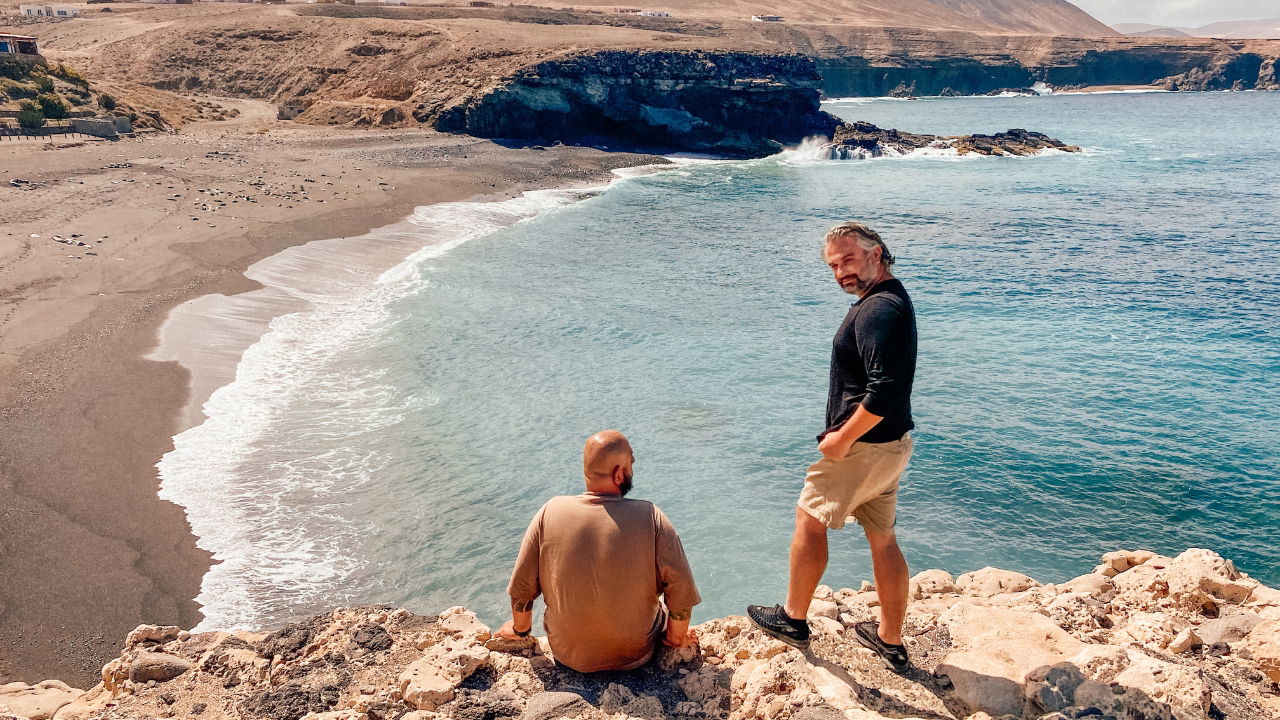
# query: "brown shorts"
[[862, 485]]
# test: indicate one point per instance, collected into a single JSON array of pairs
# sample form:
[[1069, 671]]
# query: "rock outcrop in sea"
[[859, 140], [1142, 637], [726, 103]]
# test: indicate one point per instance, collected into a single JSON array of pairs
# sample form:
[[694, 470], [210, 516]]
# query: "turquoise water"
[[1099, 353]]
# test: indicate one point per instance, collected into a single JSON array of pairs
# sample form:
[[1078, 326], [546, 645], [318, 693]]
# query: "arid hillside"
[[343, 64]]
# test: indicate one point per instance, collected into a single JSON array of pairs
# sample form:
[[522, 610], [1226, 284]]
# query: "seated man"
[[601, 562]]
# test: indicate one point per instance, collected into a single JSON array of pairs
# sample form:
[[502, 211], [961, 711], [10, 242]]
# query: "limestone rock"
[[551, 705], [1228, 629], [932, 582], [160, 667], [424, 686], [1263, 645], [1122, 560], [1185, 640], [994, 649], [463, 623], [1199, 572], [1091, 584], [826, 626], [39, 701], [151, 634], [990, 581], [519, 645], [824, 609]]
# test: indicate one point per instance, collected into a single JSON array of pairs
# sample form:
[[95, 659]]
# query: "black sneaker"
[[868, 634], [775, 621]]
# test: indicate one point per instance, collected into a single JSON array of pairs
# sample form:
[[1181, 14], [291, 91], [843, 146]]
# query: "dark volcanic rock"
[[863, 140], [737, 104]]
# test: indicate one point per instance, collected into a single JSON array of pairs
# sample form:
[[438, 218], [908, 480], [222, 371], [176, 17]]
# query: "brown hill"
[[1049, 17]]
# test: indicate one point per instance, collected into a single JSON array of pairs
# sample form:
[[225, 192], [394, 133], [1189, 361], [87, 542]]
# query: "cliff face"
[[871, 65], [1142, 637], [740, 104]]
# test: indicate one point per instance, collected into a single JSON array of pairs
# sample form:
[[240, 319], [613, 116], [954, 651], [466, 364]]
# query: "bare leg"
[[892, 581], [808, 562]]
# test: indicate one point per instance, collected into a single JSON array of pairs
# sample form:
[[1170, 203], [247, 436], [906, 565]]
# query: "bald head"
[[606, 461]]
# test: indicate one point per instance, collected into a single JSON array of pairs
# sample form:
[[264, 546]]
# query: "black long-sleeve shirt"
[[873, 363]]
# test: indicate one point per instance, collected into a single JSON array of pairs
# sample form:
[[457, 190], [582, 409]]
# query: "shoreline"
[[334, 284], [85, 416]]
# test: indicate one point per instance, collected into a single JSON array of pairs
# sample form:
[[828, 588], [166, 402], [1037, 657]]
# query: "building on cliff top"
[[766, 18], [18, 45], [49, 10]]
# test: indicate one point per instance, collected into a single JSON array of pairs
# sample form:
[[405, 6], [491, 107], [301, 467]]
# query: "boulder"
[[932, 582], [1181, 687], [994, 650], [160, 667], [1263, 646], [432, 679], [989, 582], [1185, 640], [1228, 629], [1199, 574], [151, 634], [1091, 584], [461, 622], [1122, 560], [424, 686], [823, 609]]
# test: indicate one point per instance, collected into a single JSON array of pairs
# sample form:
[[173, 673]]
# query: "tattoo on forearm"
[[681, 615], [522, 605]]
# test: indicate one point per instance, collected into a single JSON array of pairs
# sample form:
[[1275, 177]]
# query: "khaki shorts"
[[863, 485]]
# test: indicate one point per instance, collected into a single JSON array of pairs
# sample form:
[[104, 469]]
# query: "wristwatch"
[[524, 633]]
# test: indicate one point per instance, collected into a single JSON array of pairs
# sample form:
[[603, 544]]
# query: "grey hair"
[[867, 239]]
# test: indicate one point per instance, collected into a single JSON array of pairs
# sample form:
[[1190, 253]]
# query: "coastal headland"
[[102, 239], [1139, 638]]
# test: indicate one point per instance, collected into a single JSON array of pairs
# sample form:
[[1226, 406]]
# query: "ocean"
[[1099, 355]]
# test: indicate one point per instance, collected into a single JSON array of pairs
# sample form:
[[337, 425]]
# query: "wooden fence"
[[20, 133]]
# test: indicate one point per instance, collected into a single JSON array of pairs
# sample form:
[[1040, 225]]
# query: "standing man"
[[602, 563], [865, 446]]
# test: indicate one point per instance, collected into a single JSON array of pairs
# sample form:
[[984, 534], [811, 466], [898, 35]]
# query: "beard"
[[857, 284], [624, 487]]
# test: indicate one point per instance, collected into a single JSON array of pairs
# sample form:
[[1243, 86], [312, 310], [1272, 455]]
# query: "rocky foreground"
[[1142, 637], [860, 140]]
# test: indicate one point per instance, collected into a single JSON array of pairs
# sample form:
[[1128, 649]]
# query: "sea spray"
[[273, 517]]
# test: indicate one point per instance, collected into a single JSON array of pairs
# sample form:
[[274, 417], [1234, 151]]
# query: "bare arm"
[[836, 444], [521, 622], [678, 632]]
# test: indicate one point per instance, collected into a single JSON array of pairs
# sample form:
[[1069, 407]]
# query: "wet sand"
[[87, 549]]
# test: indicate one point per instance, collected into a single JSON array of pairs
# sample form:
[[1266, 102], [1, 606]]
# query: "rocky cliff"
[[710, 84], [1142, 637], [874, 62], [740, 104]]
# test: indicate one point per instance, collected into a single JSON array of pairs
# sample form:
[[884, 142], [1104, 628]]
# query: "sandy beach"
[[87, 550]]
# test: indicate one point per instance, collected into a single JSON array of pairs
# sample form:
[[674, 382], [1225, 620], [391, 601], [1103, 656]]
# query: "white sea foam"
[[266, 506]]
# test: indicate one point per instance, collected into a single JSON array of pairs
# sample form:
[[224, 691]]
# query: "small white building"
[[654, 13], [766, 18], [49, 10]]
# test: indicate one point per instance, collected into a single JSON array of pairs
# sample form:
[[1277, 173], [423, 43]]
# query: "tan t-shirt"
[[601, 562]]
